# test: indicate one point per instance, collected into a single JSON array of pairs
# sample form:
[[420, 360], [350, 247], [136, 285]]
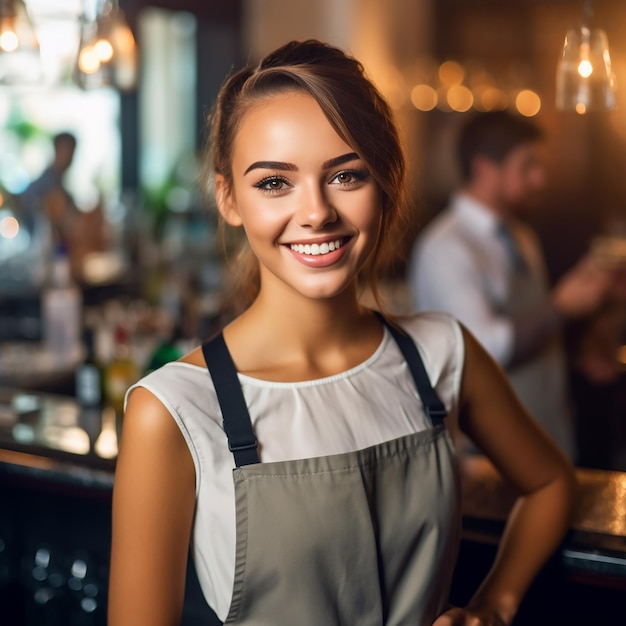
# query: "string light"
[[584, 79], [457, 87], [107, 53], [20, 62]]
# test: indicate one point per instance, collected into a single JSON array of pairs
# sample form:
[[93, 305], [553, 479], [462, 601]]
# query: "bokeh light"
[[9, 41], [585, 69], [492, 99], [9, 227], [89, 61], [528, 103], [451, 73], [104, 50], [424, 97], [460, 98]]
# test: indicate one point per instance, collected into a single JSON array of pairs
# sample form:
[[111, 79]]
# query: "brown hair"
[[354, 108], [493, 135]]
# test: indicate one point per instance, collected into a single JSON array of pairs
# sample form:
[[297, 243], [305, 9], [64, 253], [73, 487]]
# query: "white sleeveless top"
[[373, 402]]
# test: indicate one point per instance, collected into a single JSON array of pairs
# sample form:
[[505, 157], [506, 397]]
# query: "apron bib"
[[365, 538]]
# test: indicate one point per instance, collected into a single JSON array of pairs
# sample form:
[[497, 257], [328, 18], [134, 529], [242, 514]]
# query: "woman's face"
[[310, 208]]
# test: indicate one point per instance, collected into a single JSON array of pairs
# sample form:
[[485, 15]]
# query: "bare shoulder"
[[150, 433], [145, 411]]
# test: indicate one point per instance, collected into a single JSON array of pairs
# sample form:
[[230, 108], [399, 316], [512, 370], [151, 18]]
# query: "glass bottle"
[[62, 311], [121, 372]]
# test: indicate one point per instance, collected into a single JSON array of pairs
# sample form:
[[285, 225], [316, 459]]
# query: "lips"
[[320, 253]]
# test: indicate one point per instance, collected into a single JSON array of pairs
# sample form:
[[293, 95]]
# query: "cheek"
[[512, 184], [259, 221], [370, 208]]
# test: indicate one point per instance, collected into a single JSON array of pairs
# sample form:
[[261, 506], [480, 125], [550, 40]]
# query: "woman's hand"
[[470, 617]]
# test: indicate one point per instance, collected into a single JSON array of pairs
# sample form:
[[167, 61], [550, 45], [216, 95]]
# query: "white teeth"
[[315, 249]]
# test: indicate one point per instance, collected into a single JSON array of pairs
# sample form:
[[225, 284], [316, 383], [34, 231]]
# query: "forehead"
[[525, 153], [286, 126]]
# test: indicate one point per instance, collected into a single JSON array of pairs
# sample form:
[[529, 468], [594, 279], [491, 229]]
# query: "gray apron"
[[540, 382], [365, 538]]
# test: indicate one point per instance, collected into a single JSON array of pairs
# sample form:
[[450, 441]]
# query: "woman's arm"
[[153, 505], [493, 417]]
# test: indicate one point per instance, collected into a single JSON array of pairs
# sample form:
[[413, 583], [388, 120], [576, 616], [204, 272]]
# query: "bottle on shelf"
[[62, 311], [89, 375], [121, 372]]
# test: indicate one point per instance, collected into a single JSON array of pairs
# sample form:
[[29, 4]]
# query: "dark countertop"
[[594, 550], [49, 439]]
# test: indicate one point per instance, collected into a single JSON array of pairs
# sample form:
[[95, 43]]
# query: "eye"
[[272, 184], [348, 178], [344, 177]]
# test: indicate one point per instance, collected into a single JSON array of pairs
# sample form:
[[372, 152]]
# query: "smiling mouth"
[[317, 249]]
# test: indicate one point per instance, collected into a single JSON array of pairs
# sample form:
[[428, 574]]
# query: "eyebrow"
[[291, 167]]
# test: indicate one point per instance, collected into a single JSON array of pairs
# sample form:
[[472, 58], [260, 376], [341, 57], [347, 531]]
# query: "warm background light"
[[9, 41], [424, 97], [104, 50], [585, 69], [528, 103], [451, 73], [460, 98], [9, 227], [491, 99], [88, 61]]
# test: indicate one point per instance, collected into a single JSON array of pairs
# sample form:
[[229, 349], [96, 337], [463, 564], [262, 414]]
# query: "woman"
[[303, 452]]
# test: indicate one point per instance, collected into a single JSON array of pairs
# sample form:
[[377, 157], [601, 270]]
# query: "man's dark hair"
[[493, 135], [64, 138]]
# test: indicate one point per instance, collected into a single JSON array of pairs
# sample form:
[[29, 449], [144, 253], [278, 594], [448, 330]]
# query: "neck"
[[307, 321], [286, 336], [488, 198]]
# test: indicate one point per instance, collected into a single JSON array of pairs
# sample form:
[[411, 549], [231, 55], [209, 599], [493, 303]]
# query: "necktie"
[[512, 249]]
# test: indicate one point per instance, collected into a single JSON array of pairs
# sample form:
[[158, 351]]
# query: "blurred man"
[[52, 216], [46, 202], [477, 261]]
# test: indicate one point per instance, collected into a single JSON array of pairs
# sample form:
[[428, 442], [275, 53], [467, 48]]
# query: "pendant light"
[[107, 54], [20, 62], [585, 81]]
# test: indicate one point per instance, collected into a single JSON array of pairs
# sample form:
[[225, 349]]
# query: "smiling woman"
[[313, 191], [357, 114], [303, 452]]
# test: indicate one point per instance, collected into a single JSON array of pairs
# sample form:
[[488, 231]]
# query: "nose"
[[314, 208]]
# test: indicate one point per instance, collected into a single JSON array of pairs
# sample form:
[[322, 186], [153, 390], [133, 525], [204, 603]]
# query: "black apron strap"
[[237, 424], [433, 406]]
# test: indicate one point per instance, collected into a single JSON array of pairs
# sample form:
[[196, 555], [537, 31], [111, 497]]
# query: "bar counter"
[[57, 465]]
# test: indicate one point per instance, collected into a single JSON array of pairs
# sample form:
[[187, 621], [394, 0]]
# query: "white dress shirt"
[[461, 264]]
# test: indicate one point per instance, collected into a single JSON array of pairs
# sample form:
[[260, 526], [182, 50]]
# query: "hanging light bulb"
[[107, 54], [585, 81], [19, 49]]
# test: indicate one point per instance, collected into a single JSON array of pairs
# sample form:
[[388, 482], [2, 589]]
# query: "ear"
[[226, 203]]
